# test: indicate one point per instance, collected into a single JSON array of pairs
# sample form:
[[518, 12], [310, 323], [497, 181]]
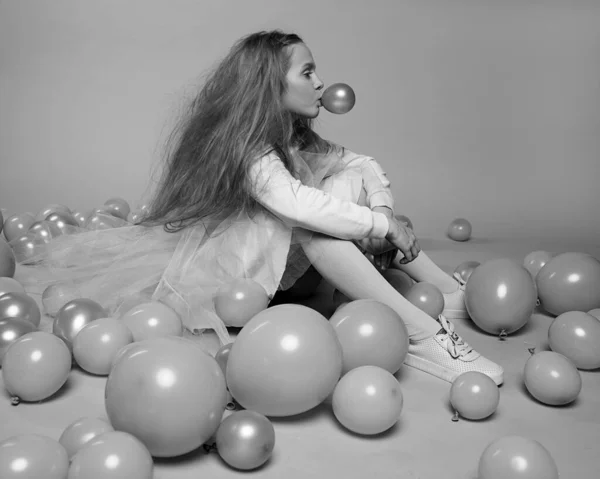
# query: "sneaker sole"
[[440, 371]]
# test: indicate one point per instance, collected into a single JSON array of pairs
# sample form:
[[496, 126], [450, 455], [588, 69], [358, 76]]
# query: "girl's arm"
[[310, 208]]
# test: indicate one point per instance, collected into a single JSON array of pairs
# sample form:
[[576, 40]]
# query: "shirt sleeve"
[[375, 180], [299, 205]]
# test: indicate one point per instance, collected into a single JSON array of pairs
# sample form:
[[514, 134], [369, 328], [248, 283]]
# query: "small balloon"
[[55, 296], [338, 98], [152, 319], [594, 312], [17, 225], [28, 248], [474, 395], [103, 221], [238, 301], [400, 281], [245, 440], [32, 455], [36, 366], [63, 224], [459, 230], [552, 378], [535, 261], [427, 297], [12, 329], [43, 231], [576, 335], [222, 355], [50, 209], [118, 207], [80, 432], [80, 218], [73, 316], [20, 305], [464, 270], [10, 285]]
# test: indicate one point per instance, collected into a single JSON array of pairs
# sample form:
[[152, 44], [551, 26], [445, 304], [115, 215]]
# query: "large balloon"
[[73, 316], [367, 400], [17, 225], [569, 282], [8, 262], [338, 98], [31, 456], [576, 335], [371, 333], [112, 455], [81, 431], [474, 395], [36, 366], [12, 329], [500, 296], [245, 440], [152, 319], [285, 361], [535, 261], [552, 378], [237, 302], [427, 297], [20, 305], [168, 393], [516, 457]]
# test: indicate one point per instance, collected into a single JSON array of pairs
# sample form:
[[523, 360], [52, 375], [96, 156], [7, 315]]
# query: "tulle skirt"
[[128, 264]]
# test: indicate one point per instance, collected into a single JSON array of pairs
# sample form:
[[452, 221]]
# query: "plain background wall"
[[483, 109]]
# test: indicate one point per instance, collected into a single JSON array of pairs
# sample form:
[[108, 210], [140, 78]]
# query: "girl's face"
[[303, 95]]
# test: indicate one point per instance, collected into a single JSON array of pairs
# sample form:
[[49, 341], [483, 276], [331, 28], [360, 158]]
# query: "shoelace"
[[456, 345], [462, 283]]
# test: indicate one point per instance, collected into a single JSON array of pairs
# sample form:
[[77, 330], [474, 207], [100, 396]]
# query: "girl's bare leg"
[[423, 269]]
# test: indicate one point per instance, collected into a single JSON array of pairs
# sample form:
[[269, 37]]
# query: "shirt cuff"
[[381, 198], [381, 225]]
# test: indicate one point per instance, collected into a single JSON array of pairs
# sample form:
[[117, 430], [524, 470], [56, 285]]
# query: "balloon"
[[338, 98], [97, 344], [552, 378], [427, 297], [8, 262], [594, 312], [237, 302], [75, 315], [406, 220], [474, 395], [222, 356], [57, 295], [35, 366], [135, 217], [1, 221], [12, 329], [51, 209], [569, 282], [42, 231], [459, 230], [63, 224], [535, 261], [80, 432], [401, 281], [103, 221], [371, 333], [465, 269], [118, 207], [112, 455], [80, 218], [500, 296], [182, 399], [285, 361], [20, 305], [32, 455], [245, 440], [28, 248], [367, 400], [10, 285], [515, 457], [152, 320], [17, 225], [576, 335]]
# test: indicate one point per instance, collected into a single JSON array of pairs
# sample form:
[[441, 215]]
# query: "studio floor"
[[424, 444]]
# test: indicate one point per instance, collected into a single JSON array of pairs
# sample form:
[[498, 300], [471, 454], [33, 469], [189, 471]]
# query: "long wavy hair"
[[237, 117]]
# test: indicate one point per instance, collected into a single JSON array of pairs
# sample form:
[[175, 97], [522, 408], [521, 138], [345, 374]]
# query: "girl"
[[251, 191]]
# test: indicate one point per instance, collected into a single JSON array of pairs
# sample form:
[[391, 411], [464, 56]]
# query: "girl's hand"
[[382, 250], [403, 238]]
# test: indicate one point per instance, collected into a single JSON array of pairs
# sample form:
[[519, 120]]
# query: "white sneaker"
[[446, 355], [454, 303]]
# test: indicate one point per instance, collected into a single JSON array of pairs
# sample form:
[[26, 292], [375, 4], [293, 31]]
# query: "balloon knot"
[[15, 401], [208, 448], [455, 417], [502, 336]]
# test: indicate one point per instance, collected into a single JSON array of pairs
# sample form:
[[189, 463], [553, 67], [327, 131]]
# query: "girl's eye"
[[308, 74]]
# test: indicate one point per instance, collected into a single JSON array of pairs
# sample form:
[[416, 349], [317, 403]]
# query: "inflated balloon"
[[57, 295], [285, 361], [20, 305], [28, 248], [245, 440], [112, 455], [152, 319], [516, 457], [500, 296], [569, 282], [367, 400], [8, 262], [73, 316], [238, 301], [427, 297], [222, 356], [43, 231], [338, 98], [32, 455], [182, 399], [80, 432], [97, 344], [552, 378], [465, 269], [10, 285], [474, 395], [103, 221], [594, 312], [371, 333], [406, 220], [12, 329], [63, 224], [400, 281], [459, 230], [35, 366], [17, 225], [576, 335], [50, 209], [80, 218], [1, 221], [535, 261], [118, 207]]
